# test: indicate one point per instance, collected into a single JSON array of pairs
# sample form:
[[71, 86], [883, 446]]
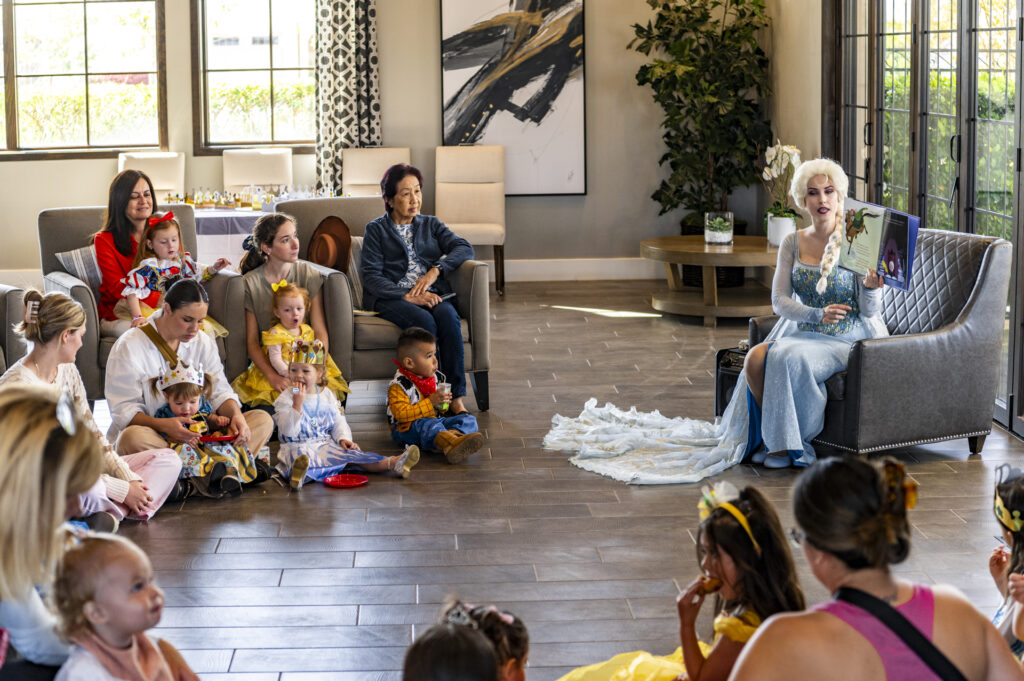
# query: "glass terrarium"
[[718, 227]]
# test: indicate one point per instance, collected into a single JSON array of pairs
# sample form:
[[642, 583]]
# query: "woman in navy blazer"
[[406, 260]]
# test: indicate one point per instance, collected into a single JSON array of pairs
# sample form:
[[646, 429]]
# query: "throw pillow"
[[81, 263]]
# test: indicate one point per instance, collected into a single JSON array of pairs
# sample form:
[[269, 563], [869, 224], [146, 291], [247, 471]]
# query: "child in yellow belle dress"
[[746, 563], [290, 305]]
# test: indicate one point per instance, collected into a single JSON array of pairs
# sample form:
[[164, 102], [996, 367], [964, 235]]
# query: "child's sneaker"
[[101, 521], [457, 446], [231, 484], [402, 465], [299, 469]]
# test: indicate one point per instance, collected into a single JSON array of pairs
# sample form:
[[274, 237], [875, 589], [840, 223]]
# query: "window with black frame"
[[81, 77], [253, 73]]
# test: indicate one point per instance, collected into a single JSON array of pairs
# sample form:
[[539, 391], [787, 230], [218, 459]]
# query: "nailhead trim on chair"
[[909, 443]]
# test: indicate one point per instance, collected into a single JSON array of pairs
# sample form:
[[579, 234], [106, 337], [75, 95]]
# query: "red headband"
[[154, 220]]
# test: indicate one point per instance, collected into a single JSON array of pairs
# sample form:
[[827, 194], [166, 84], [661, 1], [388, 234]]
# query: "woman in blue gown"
[[778, 405], [824, 310]]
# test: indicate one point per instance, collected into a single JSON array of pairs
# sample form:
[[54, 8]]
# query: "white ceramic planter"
[[778, 228]]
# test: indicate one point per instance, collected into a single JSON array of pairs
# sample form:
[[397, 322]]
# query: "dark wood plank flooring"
[[334, 584]]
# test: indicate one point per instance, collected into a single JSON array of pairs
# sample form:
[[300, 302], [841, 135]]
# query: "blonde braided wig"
[[798, 191]]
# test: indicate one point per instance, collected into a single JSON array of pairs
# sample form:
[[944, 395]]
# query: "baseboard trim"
[[580, 269]]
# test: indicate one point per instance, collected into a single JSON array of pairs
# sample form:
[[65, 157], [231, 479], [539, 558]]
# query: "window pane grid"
[[896, 41], [940, 113], [996, 92], [71, 88], [855, 113], [258, 75]]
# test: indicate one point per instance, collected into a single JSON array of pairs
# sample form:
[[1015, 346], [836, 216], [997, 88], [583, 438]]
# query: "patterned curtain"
[[347, 88]]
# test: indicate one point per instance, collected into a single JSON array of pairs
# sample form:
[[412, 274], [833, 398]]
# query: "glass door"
[[858, 48], [894, 108], [939, 181], [942, 137], [994, 140]]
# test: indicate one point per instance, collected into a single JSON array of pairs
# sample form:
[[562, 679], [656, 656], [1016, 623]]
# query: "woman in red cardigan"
[[131, 201]]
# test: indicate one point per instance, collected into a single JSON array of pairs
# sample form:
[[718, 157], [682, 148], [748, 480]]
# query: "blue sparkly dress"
[[801, 359], [316, 432]]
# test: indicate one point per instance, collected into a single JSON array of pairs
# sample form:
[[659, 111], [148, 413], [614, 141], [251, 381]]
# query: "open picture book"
[[880, 239]]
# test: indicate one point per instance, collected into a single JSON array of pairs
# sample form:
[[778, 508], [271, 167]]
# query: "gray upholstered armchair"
[[68, 229], [364, 346], [935, 377], [12, 307]]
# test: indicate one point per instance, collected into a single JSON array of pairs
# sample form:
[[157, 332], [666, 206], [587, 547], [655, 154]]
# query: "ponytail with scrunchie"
[[47, 316], [506, 632]]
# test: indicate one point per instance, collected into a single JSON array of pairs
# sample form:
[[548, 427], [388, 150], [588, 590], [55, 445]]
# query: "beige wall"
[[795, 51], [623, 134]]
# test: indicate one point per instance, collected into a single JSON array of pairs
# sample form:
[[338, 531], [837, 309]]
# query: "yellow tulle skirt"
[[642, 666], [253, 388], [635, 666]]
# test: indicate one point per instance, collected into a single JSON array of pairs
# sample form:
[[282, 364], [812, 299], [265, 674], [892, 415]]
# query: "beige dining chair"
[[469, 197], [363, 169], [166, 169], [267, 168]]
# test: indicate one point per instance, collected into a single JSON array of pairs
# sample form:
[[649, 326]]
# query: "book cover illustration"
[[879, 239]]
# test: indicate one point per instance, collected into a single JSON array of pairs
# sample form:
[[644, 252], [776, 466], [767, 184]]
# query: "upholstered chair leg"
[[479, 379], [976, 443], [499, 269]]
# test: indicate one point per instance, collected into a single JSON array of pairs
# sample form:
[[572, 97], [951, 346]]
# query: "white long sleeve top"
[[134, 360], [116, 472], [31, 626]]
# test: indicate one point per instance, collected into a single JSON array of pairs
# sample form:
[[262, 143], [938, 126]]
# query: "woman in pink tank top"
[[853, 525]]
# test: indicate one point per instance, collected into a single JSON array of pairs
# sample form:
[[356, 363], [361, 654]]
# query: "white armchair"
[[267, 168], [363, 169], [469, 196], [166, 169]]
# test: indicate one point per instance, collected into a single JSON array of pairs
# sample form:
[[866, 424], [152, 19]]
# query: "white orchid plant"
[[780, 162]]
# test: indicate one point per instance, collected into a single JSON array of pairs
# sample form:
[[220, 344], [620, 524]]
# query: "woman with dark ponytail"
[[170, 335], [853, 525], [271, 260]]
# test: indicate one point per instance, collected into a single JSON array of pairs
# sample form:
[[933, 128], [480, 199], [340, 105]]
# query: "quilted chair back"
[[946, 266]]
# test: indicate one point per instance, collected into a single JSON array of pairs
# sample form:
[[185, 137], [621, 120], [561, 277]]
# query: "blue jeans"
[[441, 320], [423, 431]]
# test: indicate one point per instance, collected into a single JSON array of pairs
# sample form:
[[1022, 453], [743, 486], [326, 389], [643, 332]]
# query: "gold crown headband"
[[715, 497], [1011, 520], [308, 352]]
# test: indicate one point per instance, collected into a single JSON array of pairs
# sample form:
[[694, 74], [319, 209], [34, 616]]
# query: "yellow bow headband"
[[715, 497], [280, 284]]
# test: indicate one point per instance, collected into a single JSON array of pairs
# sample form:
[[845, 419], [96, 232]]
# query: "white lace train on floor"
[[646, 448]]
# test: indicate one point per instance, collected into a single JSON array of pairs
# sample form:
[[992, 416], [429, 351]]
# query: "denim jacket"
[[385, 261]]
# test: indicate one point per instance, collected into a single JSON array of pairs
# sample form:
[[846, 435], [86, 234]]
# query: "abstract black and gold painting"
[[512, 74]]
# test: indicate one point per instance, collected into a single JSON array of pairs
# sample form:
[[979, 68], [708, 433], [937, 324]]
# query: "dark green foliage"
[[711, 78]]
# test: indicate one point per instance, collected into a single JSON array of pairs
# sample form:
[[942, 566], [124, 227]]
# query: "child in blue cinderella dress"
[[316, 441], [824, 309]]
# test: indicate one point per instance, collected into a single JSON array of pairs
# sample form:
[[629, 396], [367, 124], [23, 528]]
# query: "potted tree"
[[710, 76]]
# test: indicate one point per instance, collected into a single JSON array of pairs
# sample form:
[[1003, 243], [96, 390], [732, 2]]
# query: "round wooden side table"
[[749, 300]]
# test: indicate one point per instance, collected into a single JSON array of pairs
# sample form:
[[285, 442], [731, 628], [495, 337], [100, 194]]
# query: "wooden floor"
[[334, 584]]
